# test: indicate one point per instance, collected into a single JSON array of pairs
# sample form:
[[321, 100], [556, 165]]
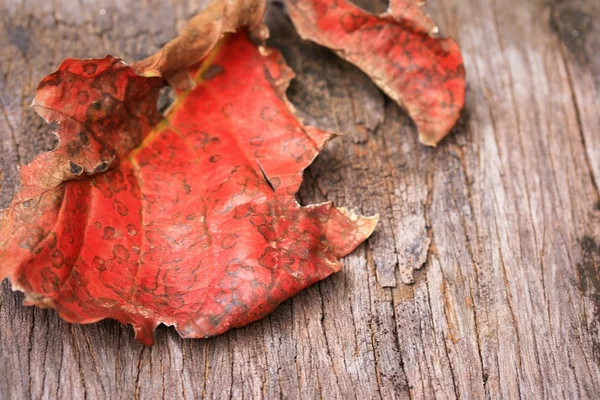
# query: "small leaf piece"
[[193, 223], [398, 50]]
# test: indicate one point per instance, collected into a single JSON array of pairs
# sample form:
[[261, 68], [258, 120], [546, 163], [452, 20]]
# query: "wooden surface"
[[503, 217]]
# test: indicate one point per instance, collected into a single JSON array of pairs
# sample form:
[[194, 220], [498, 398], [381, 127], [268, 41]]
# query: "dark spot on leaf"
[[241, 211], [256, 141], [99, 264], [82, 97], [83, 138], [120, 207], [90, 68], [131, 230], [107, 112], [50, 282], [275, 258], [229, 241], [52, 240], [234, 263], [106, 83], [212, 71], [214, 320], [257, 220], [57, 258], [121, 252], [70, 261], [268, 113], [176, 302], [261, 153], [73, 149], [109, 233]]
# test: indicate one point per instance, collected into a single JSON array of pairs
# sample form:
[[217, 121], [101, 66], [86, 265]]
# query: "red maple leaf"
[[189, 221], [399, 51]]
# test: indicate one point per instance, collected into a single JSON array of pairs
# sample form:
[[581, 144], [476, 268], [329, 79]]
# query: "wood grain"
[[501, 222]]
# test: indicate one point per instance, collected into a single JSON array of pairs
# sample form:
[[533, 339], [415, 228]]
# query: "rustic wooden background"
[[503, 217]]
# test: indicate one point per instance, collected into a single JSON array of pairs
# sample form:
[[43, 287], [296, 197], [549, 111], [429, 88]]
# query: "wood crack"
[[579, 122], [399, 344], [324, 332], [137, 386]]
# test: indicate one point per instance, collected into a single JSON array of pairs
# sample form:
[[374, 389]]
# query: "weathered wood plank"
[[504, 217]]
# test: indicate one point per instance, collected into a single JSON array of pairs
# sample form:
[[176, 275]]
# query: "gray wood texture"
[[502, 222]]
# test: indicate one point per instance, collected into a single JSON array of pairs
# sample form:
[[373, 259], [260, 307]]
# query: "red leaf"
[[423, 74], [194, 224]]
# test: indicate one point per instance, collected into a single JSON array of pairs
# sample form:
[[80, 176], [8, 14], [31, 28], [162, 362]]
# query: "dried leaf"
[[200, 36], [398, 50], [191, 222]]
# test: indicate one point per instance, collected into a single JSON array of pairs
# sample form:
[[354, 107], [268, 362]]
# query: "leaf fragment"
[[399, 50]]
